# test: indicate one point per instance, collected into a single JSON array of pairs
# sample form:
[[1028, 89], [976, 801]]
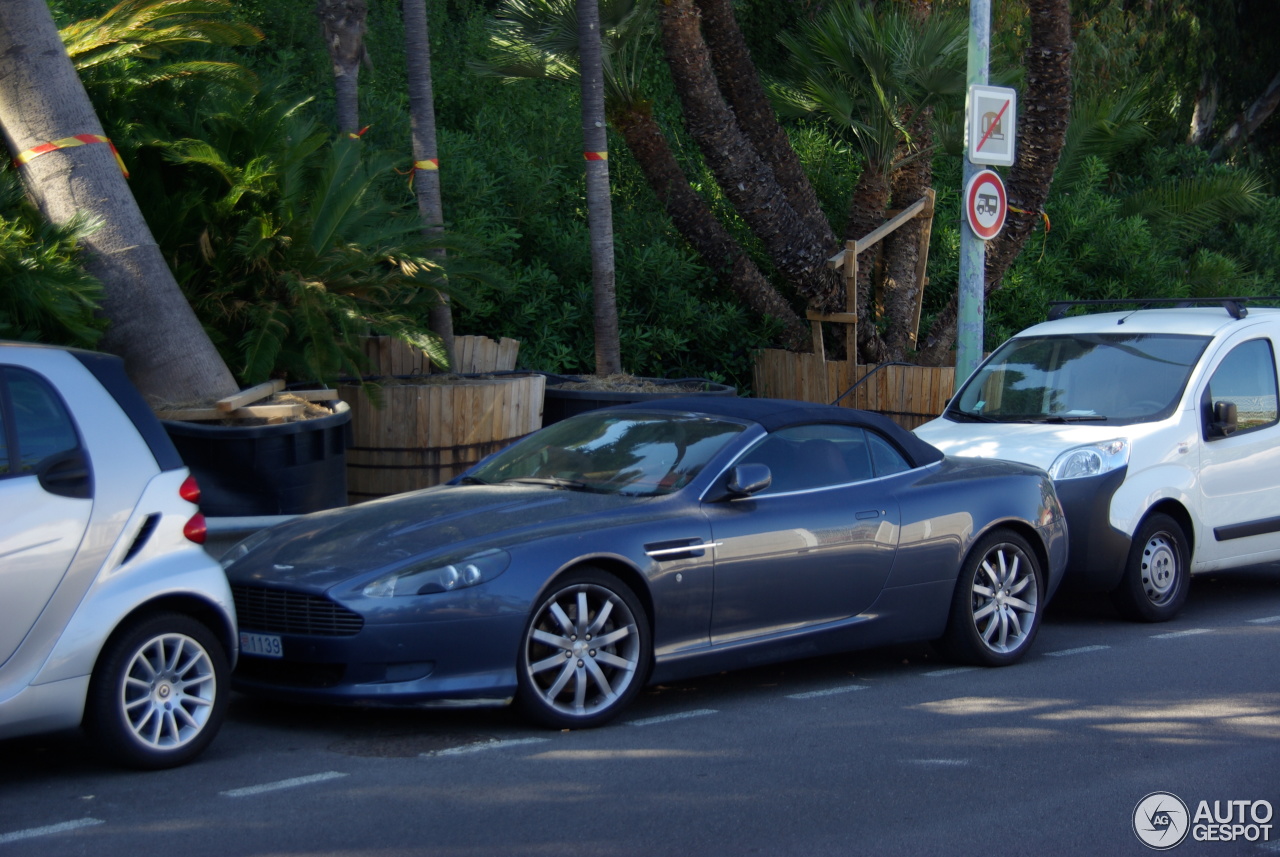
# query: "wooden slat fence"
[[910, 395]]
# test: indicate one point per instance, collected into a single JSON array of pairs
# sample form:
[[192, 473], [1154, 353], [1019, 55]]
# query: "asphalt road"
[[889, 752]]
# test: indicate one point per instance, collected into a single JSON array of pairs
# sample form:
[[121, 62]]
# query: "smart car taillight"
[[190, 490], [196, 530]]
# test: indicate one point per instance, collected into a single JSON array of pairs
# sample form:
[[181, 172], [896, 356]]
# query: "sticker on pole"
[[985, 204], [991, 118]]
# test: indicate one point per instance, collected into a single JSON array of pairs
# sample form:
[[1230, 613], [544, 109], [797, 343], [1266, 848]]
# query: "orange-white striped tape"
[[67, 143]]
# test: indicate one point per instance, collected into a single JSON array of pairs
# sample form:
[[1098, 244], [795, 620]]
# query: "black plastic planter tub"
[[285, 469]]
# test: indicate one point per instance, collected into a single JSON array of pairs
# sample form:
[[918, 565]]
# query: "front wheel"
[[585, 653], [998, 602], [1157, 574], [158, 693]]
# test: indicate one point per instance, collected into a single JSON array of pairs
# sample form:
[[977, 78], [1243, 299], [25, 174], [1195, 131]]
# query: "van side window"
[[1247, 378], [43, 426]]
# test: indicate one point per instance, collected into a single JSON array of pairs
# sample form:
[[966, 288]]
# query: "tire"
[[566, 679], [998, 602], [159, 692], [1157, 574]]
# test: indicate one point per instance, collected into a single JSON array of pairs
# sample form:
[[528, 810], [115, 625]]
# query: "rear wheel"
[[159, 692], [585, 653], [998, 602], [1157, 574]]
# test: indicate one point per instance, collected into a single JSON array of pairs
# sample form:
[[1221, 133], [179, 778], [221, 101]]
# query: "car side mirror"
[[748, 479], [1225, 419]]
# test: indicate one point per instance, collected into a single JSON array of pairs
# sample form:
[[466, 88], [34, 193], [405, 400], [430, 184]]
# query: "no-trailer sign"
[[991, 120], [985, 204]]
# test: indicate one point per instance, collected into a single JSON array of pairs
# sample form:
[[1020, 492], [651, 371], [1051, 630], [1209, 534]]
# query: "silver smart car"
[[111, 614]]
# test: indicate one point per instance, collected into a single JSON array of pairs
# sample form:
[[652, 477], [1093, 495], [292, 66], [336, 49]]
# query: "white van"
[[1160, 430]]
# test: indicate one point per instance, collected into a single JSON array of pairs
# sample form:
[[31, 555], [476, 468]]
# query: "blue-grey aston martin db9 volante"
[[644, 543]]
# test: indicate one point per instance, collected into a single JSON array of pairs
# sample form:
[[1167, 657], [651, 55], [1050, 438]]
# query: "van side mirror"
[[1225, 420]]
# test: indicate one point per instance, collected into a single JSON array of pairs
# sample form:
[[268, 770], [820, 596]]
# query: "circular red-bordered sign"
[[985, 204]]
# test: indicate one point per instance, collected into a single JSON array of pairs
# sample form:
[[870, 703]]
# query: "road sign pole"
[[969, 325]]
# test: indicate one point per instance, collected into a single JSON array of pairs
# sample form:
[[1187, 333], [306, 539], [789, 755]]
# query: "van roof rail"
[[1235, 307]]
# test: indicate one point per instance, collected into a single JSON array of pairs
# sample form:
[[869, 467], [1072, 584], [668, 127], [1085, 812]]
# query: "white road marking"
[[33, 832], [493, 744], [1080, 651], [1266, 620], [1190, 632], [667, 718], [941, 763], [951, 671], [283, 784], [831, 691]]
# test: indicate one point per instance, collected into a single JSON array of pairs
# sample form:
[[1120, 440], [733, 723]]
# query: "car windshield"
[[639, 455], [1114, 377]]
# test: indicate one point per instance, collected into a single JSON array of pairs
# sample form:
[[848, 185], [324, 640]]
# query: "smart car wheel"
[[159, 692], [996, 609], [1157, 574], [585, 653]]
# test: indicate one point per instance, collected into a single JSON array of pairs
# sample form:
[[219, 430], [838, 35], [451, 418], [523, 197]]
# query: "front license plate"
[[262, 645]]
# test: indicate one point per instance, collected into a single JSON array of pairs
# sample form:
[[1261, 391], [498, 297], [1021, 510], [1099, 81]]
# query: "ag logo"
[[1161, 820]]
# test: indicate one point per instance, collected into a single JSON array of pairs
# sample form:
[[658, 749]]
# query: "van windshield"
[[1112, 377]]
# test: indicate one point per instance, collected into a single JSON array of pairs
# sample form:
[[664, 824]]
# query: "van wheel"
[[1157, 573], [158, 693]]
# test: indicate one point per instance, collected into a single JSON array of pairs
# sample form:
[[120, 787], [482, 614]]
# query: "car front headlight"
[[1092, 460], [437, 576]]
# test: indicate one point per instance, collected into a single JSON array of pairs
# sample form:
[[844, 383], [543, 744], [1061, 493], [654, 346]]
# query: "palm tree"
[[343, 26], [877, 77], [595, 147], [743, 175], [536, 39], [166, 351], [426, 157]]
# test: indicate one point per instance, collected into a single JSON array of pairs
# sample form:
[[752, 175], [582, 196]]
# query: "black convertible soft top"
[[774, 414]]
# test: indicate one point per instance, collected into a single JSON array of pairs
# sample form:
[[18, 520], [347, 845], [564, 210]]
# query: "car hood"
[[1039, 444], [324, 549]]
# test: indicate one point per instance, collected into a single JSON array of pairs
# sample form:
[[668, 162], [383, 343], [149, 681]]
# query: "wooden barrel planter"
[[426, 430]]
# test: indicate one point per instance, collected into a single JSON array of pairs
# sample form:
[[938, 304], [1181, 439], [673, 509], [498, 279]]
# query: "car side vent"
[[140, 540], [279, 611]]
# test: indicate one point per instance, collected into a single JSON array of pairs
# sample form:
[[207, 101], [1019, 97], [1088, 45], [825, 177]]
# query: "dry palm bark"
[[740, 83], [746, 179], [695, 222], [166, 351], [1045, 105]]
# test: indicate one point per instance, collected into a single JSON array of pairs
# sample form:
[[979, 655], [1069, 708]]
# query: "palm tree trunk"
[[902, 284], [599, 206], [747, 181], [867, 207], [166, 351], [426, 157], [693, 218], [740, 83], [343, 25], [1042, 130]]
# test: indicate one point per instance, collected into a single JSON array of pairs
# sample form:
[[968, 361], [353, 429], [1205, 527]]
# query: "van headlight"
[[438, 576], [1092, 460]]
